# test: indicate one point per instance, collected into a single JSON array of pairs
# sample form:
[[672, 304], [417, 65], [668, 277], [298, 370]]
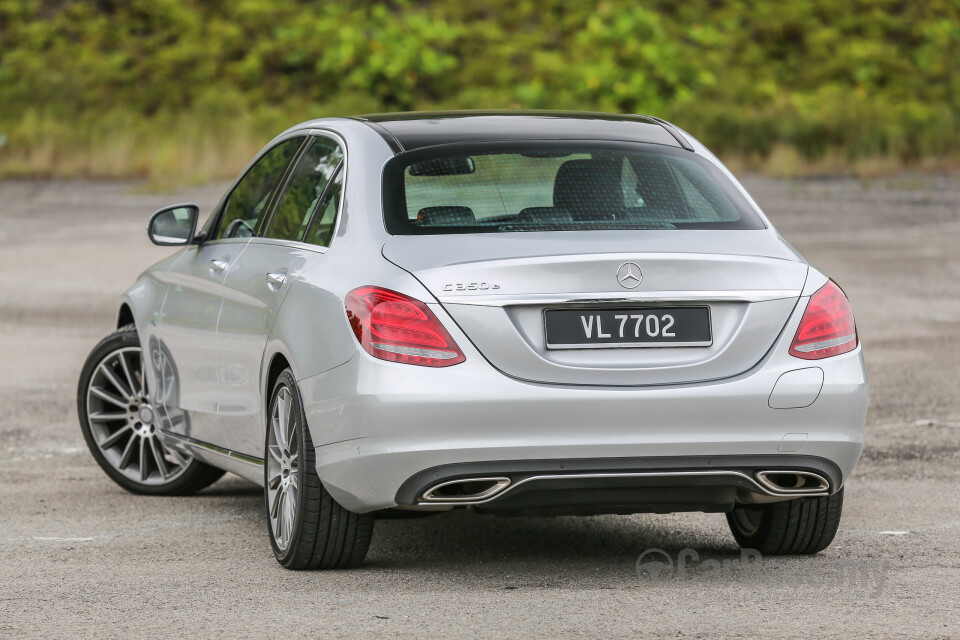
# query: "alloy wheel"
[[123, 421], [283, 466]]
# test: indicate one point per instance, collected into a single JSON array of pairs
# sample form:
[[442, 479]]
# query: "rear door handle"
[[217, 266], [276, 280]]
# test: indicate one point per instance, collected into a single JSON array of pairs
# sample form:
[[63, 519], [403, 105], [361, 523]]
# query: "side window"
[[629, 186], [704, 200], [321, 230], [305, 189], [248, 199]]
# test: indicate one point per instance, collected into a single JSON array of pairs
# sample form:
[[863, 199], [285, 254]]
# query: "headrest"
[[589, 189], [546, 215]]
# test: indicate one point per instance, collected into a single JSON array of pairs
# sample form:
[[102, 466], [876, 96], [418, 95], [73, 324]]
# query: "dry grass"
[[170, 151], [191, 150], [164, 158], [785, 162]]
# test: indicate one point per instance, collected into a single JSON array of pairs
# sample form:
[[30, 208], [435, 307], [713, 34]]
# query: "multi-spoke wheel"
[[308, 529], [283, 460], [120, 423]]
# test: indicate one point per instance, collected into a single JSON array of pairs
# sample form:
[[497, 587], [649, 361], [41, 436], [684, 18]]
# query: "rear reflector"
[[827, 327], [392, 326]]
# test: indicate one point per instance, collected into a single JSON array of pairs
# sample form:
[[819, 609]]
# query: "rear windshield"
[[487, 188]]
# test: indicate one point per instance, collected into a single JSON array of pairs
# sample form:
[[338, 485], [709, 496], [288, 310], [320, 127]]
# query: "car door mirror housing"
[[173, 226]]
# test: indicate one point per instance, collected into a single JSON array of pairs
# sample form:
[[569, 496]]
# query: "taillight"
[[827, 327], [395, 327]]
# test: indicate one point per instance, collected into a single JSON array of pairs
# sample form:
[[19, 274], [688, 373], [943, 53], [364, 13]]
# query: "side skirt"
[[247, 467]]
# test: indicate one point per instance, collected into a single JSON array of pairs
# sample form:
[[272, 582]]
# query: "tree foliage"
[[863, 77]]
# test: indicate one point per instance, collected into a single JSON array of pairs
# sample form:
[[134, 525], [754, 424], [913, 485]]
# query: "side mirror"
[[173, 226]]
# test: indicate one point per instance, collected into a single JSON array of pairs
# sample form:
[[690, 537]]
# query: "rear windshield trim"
[[397, 222]]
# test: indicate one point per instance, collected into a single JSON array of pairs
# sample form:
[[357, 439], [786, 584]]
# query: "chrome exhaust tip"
[[465, 490], [793, 482]]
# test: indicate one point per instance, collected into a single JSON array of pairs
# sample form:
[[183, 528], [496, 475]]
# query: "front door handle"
[[276, 280], [217, 266]]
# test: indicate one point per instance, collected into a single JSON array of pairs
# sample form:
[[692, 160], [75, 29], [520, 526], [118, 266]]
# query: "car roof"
[[417, 129]]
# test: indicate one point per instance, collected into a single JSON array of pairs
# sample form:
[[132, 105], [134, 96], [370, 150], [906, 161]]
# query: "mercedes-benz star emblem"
[[629, 275]]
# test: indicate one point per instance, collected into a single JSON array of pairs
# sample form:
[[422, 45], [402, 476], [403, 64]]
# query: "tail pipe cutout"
[[793, 482], [466, 490]]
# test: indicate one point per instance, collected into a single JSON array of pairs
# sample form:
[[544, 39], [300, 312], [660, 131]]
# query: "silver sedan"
[[514, 313]]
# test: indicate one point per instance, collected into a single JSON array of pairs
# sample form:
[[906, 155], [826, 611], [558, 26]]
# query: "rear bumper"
[[377, 424], [619, 485]]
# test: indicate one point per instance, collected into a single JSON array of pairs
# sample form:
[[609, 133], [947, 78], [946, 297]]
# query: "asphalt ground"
[[79, 557]]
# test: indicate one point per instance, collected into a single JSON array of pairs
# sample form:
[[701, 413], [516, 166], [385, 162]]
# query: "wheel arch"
[[278, 362], [125, 315], [276, 359]]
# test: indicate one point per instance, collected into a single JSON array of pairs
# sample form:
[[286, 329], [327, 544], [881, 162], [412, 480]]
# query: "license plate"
[[619, 328]]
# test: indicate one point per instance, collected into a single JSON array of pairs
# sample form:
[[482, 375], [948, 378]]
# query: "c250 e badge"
[[470, 286]]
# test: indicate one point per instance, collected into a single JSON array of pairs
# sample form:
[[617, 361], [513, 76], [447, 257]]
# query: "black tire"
[[188, 478], [324, 534], [794, 527]]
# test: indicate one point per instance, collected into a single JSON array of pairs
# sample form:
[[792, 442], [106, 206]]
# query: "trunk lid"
[[497, 286]]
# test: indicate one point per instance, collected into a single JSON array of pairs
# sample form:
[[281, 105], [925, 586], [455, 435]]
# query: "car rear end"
[[595, 327]]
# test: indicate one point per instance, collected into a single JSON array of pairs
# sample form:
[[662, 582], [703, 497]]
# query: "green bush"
[[184, 89]]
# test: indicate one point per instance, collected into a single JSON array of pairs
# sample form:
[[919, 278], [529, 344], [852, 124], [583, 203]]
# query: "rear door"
[[297, 234], [184, 351]]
